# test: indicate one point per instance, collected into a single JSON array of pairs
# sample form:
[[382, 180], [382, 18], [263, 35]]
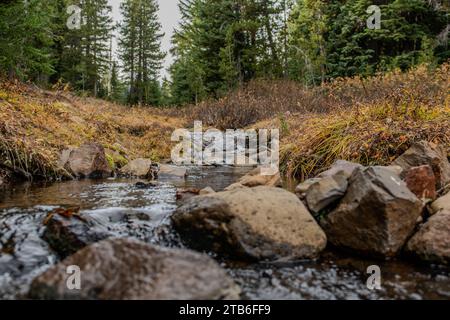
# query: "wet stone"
[[68, 235]]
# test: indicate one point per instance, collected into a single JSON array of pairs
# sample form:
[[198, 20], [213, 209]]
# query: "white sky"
[[169, 17]]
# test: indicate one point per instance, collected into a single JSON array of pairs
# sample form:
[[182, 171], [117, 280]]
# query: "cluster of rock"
[[375, 211], [91, 161], [124, 268]]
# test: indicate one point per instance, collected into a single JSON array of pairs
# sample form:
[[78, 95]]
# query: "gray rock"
[[326, 191], [347, 168], [121, 269], [427, 153], [376, 216], [397, 170], [303, 187], [441, 204], [87, 161], [432, 242], [260, 223]]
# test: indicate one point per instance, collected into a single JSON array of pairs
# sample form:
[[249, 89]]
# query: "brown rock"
[[259, 223], [421, 181], [169, 171], [432, 242], [254, 178], [376, 216], [122, 269], [139, 168], [185, 194], [207, 190], [427, 153], [235, 186], [87, 161]]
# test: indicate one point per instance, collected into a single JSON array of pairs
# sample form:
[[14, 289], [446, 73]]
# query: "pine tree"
[[117, 93], [224, 43], [96, 33], [140, 42], [26, 37]]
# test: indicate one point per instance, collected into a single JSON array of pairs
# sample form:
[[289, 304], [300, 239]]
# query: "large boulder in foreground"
[[432, 242], [121, 269], [87, 161], [139, 168], [260, 223], [427, 153], [376, 216]]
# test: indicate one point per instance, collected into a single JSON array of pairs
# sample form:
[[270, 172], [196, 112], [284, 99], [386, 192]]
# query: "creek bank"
[[124, 269]]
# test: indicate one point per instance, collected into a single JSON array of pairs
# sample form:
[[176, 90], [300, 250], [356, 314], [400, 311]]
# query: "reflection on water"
[[23, 254], [89, 194]]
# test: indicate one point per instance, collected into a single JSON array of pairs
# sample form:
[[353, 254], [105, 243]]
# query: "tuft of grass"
[[370, 135]]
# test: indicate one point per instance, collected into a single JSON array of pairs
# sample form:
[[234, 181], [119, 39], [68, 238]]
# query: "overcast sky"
[[169, 16]]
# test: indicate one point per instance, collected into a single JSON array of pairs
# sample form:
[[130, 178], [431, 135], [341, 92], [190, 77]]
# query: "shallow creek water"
[[23, 254]]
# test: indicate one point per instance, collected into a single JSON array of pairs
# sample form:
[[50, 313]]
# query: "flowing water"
[[23, 254]]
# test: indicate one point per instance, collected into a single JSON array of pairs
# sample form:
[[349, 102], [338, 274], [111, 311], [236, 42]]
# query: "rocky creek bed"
[[123, 209]]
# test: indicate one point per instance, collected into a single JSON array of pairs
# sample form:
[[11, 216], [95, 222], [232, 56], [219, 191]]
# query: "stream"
[[336, 275]]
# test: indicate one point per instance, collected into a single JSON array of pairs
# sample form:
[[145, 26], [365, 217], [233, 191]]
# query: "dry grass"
[[35, 125], [262, 100], [369, 121], [370, 133]]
